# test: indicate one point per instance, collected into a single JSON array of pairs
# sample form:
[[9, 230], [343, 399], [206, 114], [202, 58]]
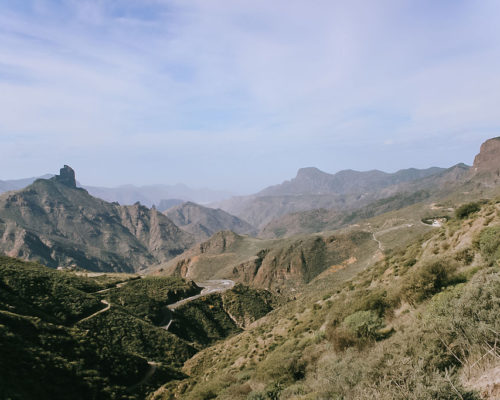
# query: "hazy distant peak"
[[203, 222], [312, 181], [310, 171]]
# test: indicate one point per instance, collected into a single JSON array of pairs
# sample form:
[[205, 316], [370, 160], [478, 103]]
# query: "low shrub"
[[428, 280], [466, 209], [466, 256], [364, 324], [340, 338], [489, 244], [283, 365]]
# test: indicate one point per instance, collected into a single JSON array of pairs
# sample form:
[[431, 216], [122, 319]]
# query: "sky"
[[238, 95]]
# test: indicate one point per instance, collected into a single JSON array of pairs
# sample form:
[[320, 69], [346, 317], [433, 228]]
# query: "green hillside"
[[57, 337], [421, 323]]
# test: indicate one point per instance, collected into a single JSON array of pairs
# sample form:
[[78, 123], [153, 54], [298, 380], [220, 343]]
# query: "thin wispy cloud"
[[169, 91]]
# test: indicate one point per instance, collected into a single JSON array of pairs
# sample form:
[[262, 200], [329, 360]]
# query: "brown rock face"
[[66, 176], [488, 159], [53, 222]]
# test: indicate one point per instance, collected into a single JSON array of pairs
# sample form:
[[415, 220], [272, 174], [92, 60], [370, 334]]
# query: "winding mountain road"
[[209, 287], [108, 306]]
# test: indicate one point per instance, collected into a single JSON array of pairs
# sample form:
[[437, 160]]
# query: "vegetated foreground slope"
[[203, 222], [58, 224], [422, 323], [59, 340], [90, 336], [216, 316], [283, 264]]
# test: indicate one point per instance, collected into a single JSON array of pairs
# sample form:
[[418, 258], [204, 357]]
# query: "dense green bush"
[[283, 365], [364, 324], [489, 243], [428, 279], [45, 355], [374, 300], [466, 209]]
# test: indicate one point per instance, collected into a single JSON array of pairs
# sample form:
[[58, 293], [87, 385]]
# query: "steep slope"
[[59, 341], [203, 222], [282, 265], [216, 316], [488, 158], [77, 335], [486, 167], [55, 222], [422, 323]]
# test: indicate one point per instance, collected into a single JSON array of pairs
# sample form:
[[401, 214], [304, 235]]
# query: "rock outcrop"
[[54, 222], [274, 264], [488, 159], [66, 177]]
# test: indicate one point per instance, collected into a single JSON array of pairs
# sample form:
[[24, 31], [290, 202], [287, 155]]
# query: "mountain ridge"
[[312, 180], [59, 224]]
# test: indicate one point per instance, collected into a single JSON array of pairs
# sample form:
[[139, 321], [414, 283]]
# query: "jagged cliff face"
[[54, 222], [488, 159], [276, 264], [298, 262]]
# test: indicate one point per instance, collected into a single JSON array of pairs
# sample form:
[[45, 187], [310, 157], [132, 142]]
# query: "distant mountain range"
[[55, 222], [159, 195], [375, 285], [163, 196], [346, 190], [17, 184], [312, 181]]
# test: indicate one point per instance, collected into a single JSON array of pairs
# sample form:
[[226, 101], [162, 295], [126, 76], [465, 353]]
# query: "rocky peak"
[[488, 159], [310, 173], [66, 176]]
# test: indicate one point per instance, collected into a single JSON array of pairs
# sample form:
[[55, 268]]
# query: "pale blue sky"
[[238, 95]]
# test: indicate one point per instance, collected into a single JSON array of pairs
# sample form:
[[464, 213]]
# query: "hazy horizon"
[[239, 95]]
